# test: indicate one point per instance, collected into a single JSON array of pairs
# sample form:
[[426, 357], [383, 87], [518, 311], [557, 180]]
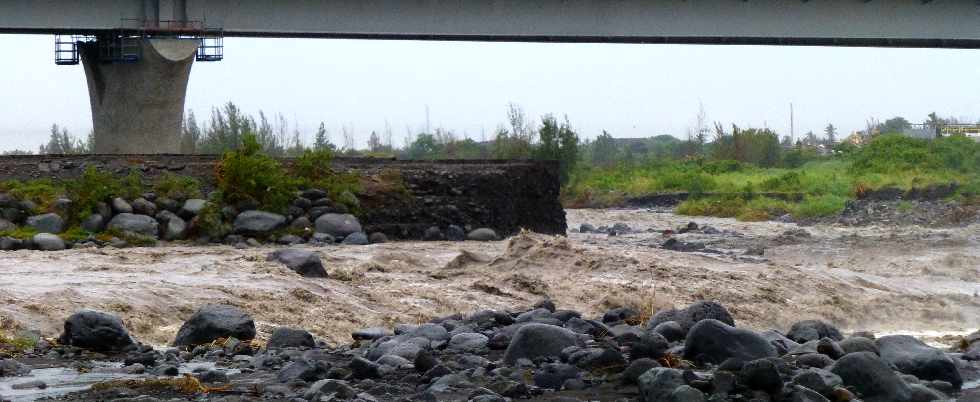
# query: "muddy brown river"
[[908, 279]]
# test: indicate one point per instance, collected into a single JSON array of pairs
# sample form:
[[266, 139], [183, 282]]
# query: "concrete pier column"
[[138, 107]]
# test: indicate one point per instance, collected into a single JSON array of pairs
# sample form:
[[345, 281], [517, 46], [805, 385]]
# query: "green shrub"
[[41, 192], [131, 186], [21, 232], [75, 234], [313, 169], [88, 190], [176, 187], [248, 176]]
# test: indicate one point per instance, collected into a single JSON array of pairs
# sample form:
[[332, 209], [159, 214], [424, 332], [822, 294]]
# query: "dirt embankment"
[[875, 278], [399, 198]]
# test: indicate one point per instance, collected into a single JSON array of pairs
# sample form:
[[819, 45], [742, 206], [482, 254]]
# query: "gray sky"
[[629, 90]]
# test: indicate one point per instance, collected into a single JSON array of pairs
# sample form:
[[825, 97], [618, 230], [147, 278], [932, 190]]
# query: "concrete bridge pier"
[[138, 106]]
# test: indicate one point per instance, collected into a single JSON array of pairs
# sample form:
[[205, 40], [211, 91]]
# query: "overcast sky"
[[629, 90]]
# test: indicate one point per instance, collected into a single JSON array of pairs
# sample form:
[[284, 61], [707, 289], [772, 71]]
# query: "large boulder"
[[142, 206], [175, 228], [132, 223], [94, 330], [48, 242], [258, 222], [284, 337], [712, 341], [305, 263], [687, 317], [120, 206], [215, 321], [47, 223], [870, 376], [482, 234], [812, 330], [658, 383], [911, 356], [93, 223], [6, 225], [538, 340], [192, 208], [337, 225]]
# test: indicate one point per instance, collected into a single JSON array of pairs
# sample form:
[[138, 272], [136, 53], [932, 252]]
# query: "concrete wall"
[[917, 23], [138, 107]]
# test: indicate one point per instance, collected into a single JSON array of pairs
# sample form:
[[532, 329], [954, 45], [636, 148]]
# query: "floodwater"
[[883, 279]]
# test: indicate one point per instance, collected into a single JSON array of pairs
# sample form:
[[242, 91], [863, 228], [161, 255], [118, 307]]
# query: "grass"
[[14, 345], [177, 187], [822, 185], [21, 233]]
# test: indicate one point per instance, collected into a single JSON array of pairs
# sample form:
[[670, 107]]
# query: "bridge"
[[138, 54]]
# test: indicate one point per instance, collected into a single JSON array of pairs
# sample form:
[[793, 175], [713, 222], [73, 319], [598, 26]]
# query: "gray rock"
[[921, 393], [538, 340], [433, 233], [301, 223], [812, 330], [553, 375], [303, 262], [36, 384], [303, 369], [284, 337], [469, 342], [143, 207], [289, 239], [455, 233], [175, 228], [870, 376], [94, 223], [377, 238], [94, 330], [370, 334], [814, 360], [686, 393], [856, 344], [47, 223], [637, 368], [257, 222], [779, 341], [132, 223], [9, 243], [215, 321], [337, 225], [356, 239], [120, 206], [338, 388], [48, 242], [586, 228], [6, 225], [819, 380], [432, 332], [762, 375], [192, 207], [482, 234], [692, 314], [13, 368], [650, 344], [712, 341], [911, 356], [658, 383], [799, 393], [362, 368]]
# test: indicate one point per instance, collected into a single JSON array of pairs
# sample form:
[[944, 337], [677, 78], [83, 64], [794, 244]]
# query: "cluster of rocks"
[[312, 217], [691, 354]]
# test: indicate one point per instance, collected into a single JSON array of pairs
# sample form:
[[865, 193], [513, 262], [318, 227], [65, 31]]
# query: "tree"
[[190, 134], [60, 142], [374, 142], [604, 150], [831, 133], [700, 130], [895, 124], [321, 141]]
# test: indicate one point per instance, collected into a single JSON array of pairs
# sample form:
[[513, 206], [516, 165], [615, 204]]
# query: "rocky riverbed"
[[769, 275]]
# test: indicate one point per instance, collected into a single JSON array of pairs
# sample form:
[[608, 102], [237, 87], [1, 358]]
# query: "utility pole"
[[792, 128]]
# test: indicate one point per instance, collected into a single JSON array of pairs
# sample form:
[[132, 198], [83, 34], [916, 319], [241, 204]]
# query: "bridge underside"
[[894, 23]]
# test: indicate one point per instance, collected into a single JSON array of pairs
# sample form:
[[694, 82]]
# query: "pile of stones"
[[543, 353], [312, 217]]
